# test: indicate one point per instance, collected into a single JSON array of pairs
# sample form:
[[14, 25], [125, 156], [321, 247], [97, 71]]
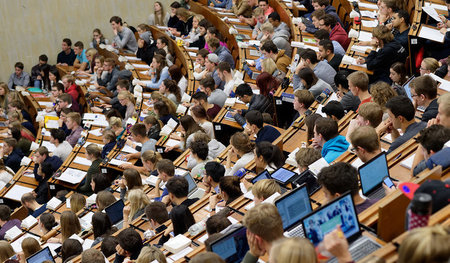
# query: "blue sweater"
[[157, 82], [333, 148]]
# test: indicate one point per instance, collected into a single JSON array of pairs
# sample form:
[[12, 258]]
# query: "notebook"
[[371, 175], [41, 256], [115, 213], [339, 212], [232, 247]]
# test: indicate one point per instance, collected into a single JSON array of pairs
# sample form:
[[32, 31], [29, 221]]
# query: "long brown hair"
[[190, 126], [70, 224], [162, 64]]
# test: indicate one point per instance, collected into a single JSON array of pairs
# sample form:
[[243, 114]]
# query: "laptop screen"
[[41, 256], [294, 206], [232, 247], [407, 88], [264, 175], [373, 172], [341, 212], [282, 175], [115, 211], [191, 182]]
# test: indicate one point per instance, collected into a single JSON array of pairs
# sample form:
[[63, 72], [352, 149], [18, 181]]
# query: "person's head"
[[244, 92], [207, 85], [150, 159], [78, 47], [428, 65], [151, 254], [224, 70], [292, 250], [150, 121], [47, 222], [18, 68], [214, 171], [325, 129], [99, 182], [132, 179], [303, 99], [443, 115], [189, 126], [178, 187], [91, 54], [138, 201], [116, 22], [130, 241], [266, 84], [382, 34], [181, 218], [327, 22], [104, 199], [9, 144], [315, 18], [169, 86], [101, 224], [57, 135], [337, 179], [427, 244], [334, 110], [310, 122], [267, 154], [369, 113], [28, 200], [41, 155], [201, 54], [212, 60], [269, 49], [156, 213], [423, 90], [108, 137], [64, 100], [267, 29], [240, 143], [69, 224], [92, 255], [3, 90], [77, 202], [381, 92], [264, 189], [108, 246], [199, 149], [365, 142], [268, 65], [138, 132], [161, 108], [230, 188], [358, 82], [66, 44], [432, 139], [73, 120], [400, 110], [166, 169], [5, 213], [93, 152], [305, 157], [162, 42], [183, 14], [258, 14], [397, 73], [320, 4], [326, 48], [274, 19], [401, 17], [265, 223], [203, 25], [254, 120], [199, 113], [6, 250], [125, 98], [216, 223], [309, 57], [207, 257], [30, 246]]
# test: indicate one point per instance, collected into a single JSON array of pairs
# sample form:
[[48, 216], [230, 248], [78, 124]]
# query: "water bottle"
[[420, 211], [197, 228]]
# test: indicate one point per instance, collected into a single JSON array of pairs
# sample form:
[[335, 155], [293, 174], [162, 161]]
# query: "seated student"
[[256, 102], [200, 98], [109, 140], [215, 96], [215, 148], [211, 62], [358, 84], [26, 126], [70, 87], [340, 178], [323, 71], [326, 52], [279, 26], [5, 222], [387, 53], [230, 190], [401, 116], [127, 100], [297, 249], [214, 171], [12, 156], [194, 33], [226, 75], [326, 135], [188, 128], [104, 198], [159, 72], [66, 57], [139, 135], [199, 63], [115, 125], [56, 90], [45, 164], [23, 143], [28, 200], [66, 101], [280, 39], [162, 43], [93, 154], [201, 118], [170, 89], [366, 143], [178, 188], [177, 76], [401, 25], [424, 94], [270, 50], [268, 157], [311, 24], [157, 215], [29, 247], [70, 249], [327, 8], [159, 17], [19, 77], [431, 140], [259, 19], [307, 79], [110, 75], [334, 110], [322, 34], [241, 8], [73, 123], [146, 49], [130, 245], [264, 189], [153, 127], [199, 152], [255, 126], [443, 116], [428, 65], [348, 100], [303, 99], [161, 109], [101, 226], [36, 70], [217, 223], [92, 256], [370, 114], [62, 121], [166, 170], [77, 202], [264, 226], [151, 254], [253, 4], [81, 62], [243, 148], [222, 52], [398, 77], [184, 24], [123, 36], [138, 200], [131, 180], [331, 25], [16, 103], [46, 223], [305, 157]]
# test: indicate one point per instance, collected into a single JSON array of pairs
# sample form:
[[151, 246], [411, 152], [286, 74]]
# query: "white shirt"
[[63, 150], [209, 129], [241, 163]]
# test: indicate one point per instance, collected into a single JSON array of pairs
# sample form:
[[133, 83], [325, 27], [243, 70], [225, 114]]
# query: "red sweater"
[[340, 35], [72, 90]]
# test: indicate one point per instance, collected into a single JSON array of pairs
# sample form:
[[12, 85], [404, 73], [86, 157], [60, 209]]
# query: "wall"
[[30, 28]]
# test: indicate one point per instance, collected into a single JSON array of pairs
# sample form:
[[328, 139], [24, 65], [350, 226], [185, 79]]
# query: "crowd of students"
[[380, 100]]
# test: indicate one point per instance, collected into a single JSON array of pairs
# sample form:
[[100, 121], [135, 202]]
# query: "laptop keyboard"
[[361, 248], [378, 194], [296, 232]]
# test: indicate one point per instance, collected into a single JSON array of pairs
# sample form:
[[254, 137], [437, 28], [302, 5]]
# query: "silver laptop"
[[194, 190]]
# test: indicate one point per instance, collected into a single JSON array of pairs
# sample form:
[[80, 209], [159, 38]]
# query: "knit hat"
[[213, 58], [439, 191]]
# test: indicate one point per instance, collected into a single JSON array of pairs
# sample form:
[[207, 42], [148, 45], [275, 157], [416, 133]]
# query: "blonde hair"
[[91, 52], [269, 65], [138, 201], [265, 188], [15, 116], [199, 17], [6, 250], [94, 150], [267, 27], [427, 244], [258, 11], [151, 156], [69, 78], [359, 79], [444, 102], [30, 246], [382, 92], [372, 112], [75, 116], [431, 64], [115, 122], [15, 95], [293, 250], [124, 94], [149, 254], [77, 202], [265, 221]]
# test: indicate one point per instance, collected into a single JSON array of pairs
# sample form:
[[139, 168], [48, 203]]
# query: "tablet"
[[283, 175], [263, 175]]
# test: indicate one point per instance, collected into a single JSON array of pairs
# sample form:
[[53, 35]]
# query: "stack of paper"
[[53, 204], [16, 192], [172, 143], [50, 146], [177, 244], [96, 132], [72, 176], [29, 222], [82, 161]]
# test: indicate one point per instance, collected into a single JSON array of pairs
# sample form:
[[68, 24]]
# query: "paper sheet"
[[431, 34], [16, 192], [117, 162], [128, 149], [141, 66], [371, 14], [431, 12], [436, 6], [408, 162], [17, 245], [72, 176], [365, 36], [369, 23], [181, 254], [50, 146], [46, 104], [172, 142], [96, 132], [82, 161], [52, 124]]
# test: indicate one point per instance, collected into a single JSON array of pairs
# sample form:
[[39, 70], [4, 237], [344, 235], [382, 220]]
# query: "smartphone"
[[388, 182]]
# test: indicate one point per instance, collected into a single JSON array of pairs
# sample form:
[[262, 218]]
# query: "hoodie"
[[224, 55], [339, 34], [282, 42], [333, 148], [283, 28]]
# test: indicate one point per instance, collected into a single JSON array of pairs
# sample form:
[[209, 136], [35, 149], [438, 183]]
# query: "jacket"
[[259, 103], [50, 165], [380, 61], [224, 55], [332, 11], [282, 61], [94, 169], [242, 8], [13, 160], [339, 34], [333, 148], [72, 90], [282, 42], [283, 28]]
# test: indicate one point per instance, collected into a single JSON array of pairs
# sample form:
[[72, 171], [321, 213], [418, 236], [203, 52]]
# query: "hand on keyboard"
[[336, 243]]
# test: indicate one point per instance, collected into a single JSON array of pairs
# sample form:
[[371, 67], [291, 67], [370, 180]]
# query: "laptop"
[[407, 89], [41, 256], [233, 246], [307, 177], [371, 175], [115, 213], [292, 207], [283, 175], [340, 211], [194, 190]]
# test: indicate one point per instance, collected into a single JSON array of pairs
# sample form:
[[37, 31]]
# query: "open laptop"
[[194, 190], [292, 207], [307, 177], [339, 212], [233, 246], [407, 89], [371, 175], [115, 213], [41, 256]]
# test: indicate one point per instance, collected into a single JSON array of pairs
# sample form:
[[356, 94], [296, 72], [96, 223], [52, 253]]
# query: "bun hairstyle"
[[231, 186], [242, 142]]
